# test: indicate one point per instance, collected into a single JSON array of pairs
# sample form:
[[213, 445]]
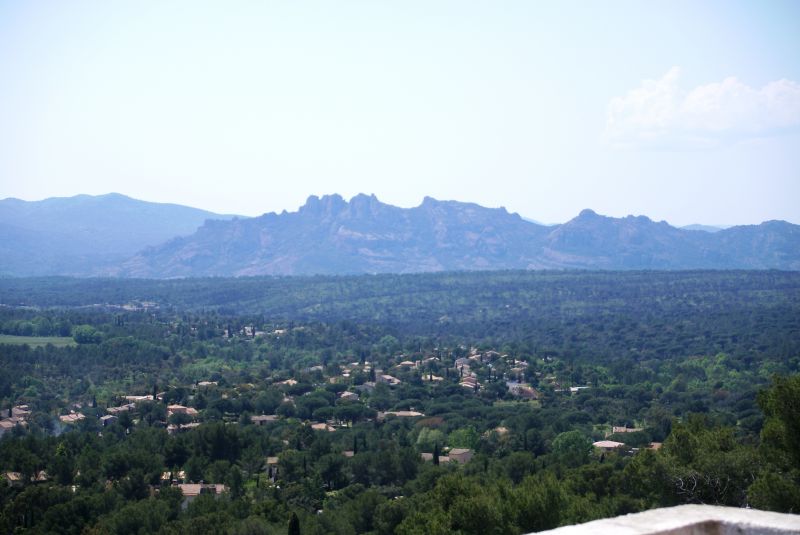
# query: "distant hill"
[[329, 235], [84, 235]]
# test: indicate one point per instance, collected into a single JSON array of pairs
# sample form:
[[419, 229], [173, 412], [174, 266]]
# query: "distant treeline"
[[594, 314]]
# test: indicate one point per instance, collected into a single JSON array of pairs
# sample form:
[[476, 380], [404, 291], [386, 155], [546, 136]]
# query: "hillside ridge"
[[330, 235]]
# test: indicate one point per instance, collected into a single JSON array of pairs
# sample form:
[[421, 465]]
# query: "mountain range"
[[86, 235], [113, 235]]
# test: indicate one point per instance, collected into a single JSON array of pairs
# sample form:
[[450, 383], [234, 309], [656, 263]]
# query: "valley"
[[502, 402]]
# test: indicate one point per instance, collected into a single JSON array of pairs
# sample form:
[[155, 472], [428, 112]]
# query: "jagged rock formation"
[[329, 235]]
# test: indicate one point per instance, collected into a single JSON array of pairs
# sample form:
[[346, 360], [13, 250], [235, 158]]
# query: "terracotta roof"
[[429, 457]]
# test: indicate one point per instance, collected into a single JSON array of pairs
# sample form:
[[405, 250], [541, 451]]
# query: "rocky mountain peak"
[[329, 235]]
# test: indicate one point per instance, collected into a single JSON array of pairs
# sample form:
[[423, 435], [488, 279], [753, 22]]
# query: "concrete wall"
[[690, 520]]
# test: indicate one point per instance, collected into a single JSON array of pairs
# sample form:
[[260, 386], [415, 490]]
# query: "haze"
[[683, 111]]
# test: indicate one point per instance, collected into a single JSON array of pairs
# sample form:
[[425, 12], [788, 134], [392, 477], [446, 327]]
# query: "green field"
[[37, 341]]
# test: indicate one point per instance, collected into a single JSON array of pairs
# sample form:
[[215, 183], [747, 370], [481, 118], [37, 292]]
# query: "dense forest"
[[487, 402]]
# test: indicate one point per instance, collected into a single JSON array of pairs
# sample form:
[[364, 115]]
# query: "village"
[[323, 399]]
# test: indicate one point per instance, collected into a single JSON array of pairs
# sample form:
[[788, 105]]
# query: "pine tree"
[[436, 454]]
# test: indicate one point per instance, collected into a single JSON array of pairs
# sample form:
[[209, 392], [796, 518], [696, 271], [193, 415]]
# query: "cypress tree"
[[294, 525]]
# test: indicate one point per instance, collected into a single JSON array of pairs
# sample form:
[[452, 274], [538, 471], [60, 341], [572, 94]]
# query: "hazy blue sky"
[[684, 111]]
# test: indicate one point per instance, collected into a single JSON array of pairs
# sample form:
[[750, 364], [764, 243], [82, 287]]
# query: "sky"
[[684, 111]]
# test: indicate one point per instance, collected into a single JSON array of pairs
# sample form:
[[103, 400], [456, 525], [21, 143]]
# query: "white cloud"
[[660, 114]]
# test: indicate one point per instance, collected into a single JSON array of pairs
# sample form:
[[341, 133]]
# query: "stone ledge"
[[690, 520]]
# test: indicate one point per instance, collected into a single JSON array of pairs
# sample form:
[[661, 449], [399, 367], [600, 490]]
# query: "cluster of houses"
[[17, 415], [72, 417], [189, 412], [113, 413], [500, 368], [16, 478], [466, 369], [467, 377]]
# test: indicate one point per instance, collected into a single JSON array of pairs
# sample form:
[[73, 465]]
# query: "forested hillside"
[[591, 314], [502, 402], [85, 234]]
